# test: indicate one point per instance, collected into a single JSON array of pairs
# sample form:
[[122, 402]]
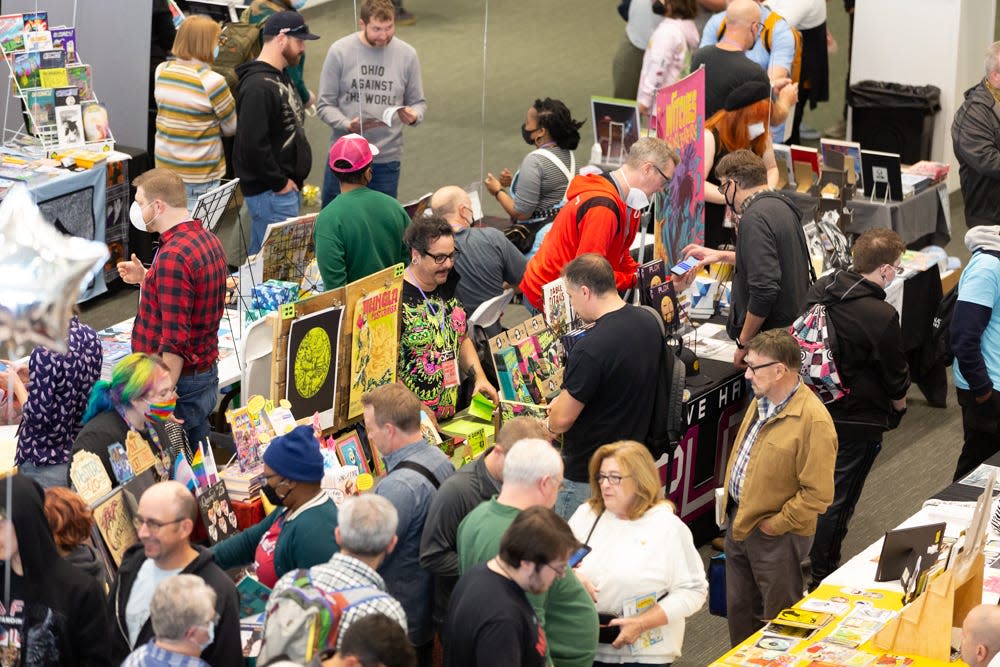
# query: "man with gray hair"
[[532, 476], [602, 215], [366, 533], [183, 615], [974, 136]]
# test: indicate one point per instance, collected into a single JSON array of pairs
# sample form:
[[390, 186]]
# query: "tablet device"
[[899, 546]]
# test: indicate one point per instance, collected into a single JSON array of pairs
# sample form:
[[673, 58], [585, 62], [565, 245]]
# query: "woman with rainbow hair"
[[139, 397]]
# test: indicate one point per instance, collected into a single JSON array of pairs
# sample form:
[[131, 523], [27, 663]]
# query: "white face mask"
[[135, 216], [636, 199], [755, 130]]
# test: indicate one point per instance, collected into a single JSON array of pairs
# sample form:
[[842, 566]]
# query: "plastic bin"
[[894, 118]]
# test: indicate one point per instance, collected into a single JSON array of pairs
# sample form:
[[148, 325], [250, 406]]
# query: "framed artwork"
[[114, 521], [351, 453], [311, 376]]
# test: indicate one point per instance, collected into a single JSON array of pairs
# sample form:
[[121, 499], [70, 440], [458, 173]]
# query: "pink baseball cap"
[[354, 150]]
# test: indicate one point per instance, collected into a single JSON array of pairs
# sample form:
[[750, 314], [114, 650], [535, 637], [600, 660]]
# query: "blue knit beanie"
[[296, 456]]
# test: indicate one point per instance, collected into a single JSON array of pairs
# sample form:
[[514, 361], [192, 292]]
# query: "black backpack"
[[941, 325], [667, 424]]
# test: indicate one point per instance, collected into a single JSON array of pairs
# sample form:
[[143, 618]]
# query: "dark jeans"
[[854, 462], [385, 179], [981, 428], [763, 576], [196, 398]]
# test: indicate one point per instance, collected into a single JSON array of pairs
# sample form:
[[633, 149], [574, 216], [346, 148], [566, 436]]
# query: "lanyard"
[[427, 302]]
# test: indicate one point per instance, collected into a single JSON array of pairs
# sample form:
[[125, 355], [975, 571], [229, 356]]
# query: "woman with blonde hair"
[[195, 109], [643, 556], [742, 123]]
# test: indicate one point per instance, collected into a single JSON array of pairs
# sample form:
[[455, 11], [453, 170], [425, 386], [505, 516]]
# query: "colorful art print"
[[889, 660], [80, 76], [374, 343], [616, 127], [53, 78], [827, 652], [140, 455], [36, 21], [351, 453], [751, 656], [851, 149], [26, 66], [245, 438], [311, 372], [253, 596], [217, 514], [287, 249], [114, 521], [88, 476], [120, 465], [11, 32], [65, 39], [678, 211], [66, 96], [558, 309], [37, 41], [41, 106]]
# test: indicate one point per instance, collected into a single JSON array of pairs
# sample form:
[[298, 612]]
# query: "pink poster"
[[679, 210]]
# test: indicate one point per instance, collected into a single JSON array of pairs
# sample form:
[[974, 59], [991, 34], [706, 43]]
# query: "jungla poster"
[[374, 343], [679, 211]]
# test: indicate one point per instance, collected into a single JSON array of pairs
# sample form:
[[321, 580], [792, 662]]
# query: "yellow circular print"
[[312, 362]]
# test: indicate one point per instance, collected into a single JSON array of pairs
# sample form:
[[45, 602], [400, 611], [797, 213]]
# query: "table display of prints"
[[679, 211], [374, 343], [311, 374]]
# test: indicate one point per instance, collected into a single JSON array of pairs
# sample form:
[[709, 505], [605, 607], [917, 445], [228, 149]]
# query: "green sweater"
[[565, 611], [305, 540], [358, 233]]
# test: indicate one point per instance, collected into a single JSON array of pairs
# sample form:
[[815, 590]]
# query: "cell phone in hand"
[[684, 266], [578, 555]]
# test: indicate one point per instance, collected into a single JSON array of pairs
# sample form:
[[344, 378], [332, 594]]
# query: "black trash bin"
[[894, 118]]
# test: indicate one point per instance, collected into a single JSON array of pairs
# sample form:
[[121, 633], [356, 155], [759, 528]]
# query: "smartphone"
[[578, 555], [684, 266]]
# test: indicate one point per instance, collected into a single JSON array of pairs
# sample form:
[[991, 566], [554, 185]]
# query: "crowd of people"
[[556, 546]]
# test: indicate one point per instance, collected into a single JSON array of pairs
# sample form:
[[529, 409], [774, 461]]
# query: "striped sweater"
[[194, 110]]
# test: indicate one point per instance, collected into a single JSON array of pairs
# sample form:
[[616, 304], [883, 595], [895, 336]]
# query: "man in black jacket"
[[164, 522], [771, 258], [872, 365], [975, 136], [271, 155]]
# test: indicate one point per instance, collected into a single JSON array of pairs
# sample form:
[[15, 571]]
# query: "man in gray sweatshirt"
[[370, 85]]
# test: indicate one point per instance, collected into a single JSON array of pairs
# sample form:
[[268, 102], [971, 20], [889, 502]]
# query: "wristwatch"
[[739, 345]]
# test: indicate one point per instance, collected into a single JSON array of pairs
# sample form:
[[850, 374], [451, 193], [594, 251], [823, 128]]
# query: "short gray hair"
[[180, 603], [529, 460], [651, 149], [367, 524], [993, 58]]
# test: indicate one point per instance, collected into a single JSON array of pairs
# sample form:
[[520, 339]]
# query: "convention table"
[[925, 215]]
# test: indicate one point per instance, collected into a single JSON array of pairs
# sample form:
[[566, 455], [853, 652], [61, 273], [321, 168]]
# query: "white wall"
[[112, 36], [925, 42]]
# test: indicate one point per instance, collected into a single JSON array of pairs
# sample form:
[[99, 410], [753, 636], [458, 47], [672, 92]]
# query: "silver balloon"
[[41, 274]]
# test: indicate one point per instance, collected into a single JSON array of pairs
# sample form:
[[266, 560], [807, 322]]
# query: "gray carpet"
[[564, 50]]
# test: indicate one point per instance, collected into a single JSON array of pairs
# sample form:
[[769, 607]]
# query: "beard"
[[290, 56]]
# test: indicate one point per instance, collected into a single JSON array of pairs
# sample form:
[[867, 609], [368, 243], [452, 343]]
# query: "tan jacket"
[[789, 477]]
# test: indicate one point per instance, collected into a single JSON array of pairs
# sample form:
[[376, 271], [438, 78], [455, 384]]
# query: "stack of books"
[[242, 486]]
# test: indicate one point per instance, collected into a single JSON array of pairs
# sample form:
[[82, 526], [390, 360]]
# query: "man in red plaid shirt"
[[182, 296]]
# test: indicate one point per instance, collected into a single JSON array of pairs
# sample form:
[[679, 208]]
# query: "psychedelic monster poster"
[[679, 211]]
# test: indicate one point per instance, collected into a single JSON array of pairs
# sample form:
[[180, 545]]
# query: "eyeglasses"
[[560, 571], [898, 268], [666, 179], [441, 259], [754, 369], [613, 479], [153, 525]]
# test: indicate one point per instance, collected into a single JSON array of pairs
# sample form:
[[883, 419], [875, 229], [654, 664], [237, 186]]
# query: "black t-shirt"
[[613, 372], [491, 624], [724, 71]]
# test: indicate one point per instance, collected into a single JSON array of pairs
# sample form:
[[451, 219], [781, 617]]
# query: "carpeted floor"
[[564, 50]]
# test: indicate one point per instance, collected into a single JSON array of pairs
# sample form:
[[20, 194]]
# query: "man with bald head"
[[981, 635], [164, 522], [486, 260]]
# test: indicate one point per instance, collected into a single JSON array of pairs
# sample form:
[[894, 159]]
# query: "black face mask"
[[659, 9], [272, 495], [526, 135]]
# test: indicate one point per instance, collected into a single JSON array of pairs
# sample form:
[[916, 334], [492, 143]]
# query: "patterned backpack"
[[817, 341]]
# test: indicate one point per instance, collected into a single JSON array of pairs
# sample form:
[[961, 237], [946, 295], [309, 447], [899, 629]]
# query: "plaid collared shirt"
[[766, 410], [151, 655], [183, 297]]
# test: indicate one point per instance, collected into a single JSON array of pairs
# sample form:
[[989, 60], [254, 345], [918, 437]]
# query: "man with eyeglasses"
[[872, 364], [164, 522], [778, 480], [602, 215], [436, 354], [773, 267]]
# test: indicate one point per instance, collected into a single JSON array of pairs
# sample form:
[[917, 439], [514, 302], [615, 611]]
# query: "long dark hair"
[[555, 117]]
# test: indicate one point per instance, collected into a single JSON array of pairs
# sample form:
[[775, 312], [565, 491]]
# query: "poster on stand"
[[679, 210], [311, 376], [374, 343]]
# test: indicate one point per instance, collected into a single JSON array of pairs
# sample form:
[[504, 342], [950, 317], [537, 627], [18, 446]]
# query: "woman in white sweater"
[[644, 565]]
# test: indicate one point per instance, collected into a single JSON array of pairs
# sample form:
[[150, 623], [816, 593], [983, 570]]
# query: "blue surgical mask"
[[755, 130], [215, 52]]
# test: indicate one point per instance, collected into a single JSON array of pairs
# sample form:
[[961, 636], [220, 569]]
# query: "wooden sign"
[[140, 456], [89, 477]]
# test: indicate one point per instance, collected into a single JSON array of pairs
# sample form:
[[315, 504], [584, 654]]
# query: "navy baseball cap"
[[288, 23]]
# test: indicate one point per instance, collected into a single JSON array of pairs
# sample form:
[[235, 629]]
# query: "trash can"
[[894, 118]]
